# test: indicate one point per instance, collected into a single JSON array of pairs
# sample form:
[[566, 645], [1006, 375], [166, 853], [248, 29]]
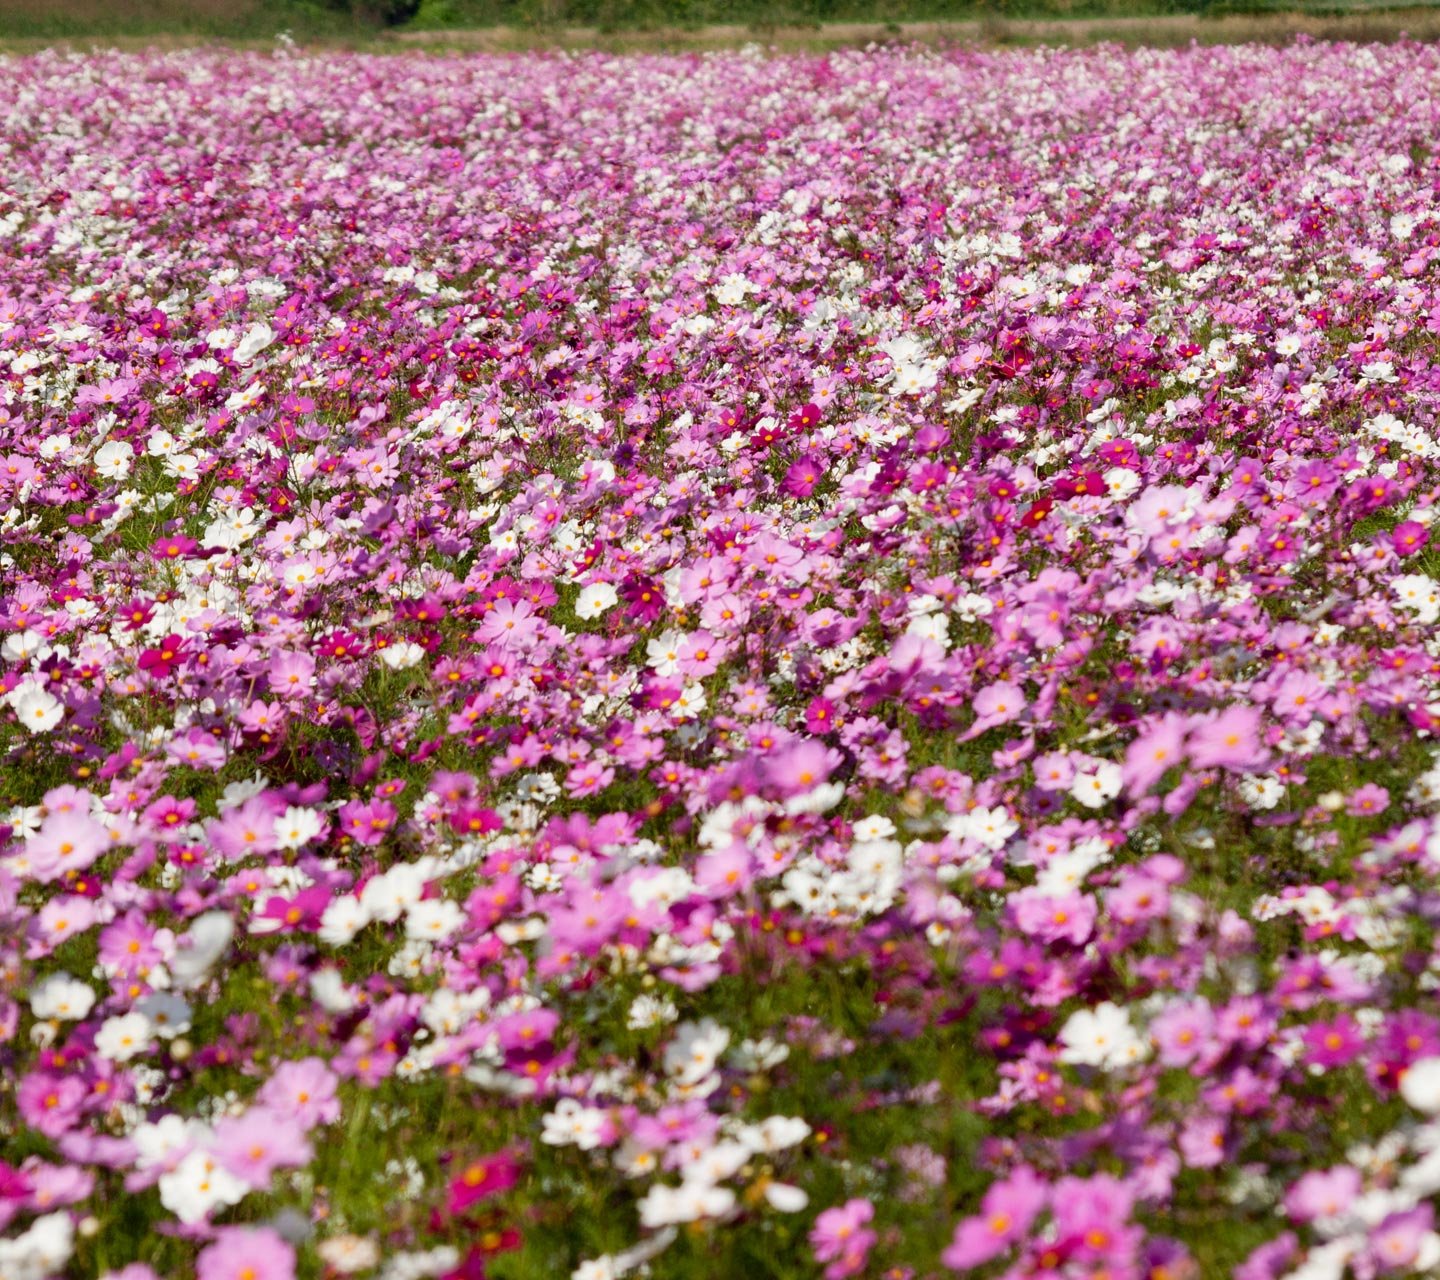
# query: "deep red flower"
[[165, 657], [480, 1179]]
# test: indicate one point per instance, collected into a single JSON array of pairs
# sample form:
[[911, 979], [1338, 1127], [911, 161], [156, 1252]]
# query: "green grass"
[[363, 22]]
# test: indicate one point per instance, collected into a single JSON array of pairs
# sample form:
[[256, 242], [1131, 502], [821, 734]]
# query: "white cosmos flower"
[[330, 991], [257, 338], [63, 997], [183, 466], [650, 1011], [690, 1202], [169, 1014], [1417, 592], [402, 655], [913, 379], [42, 1249], [296, 827], [232, 531], [343, 918], [785, 1198], [723, 1160], [1420, 1085], [21, 646], [391, 894], [124, 1037], [595, 600], [697, 1047], [1097, 786], [206, 942], [931, 626], [432, 919], [774, 1133], [572, 1124], [167, 1141], [113, 459], [246, 399], [1101, 1037], [662, 654], [198, 1186], [36, 708]]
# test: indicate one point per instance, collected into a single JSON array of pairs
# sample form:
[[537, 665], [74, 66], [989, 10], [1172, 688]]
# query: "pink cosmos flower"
[[1269, 1260], [247, 828], [253, 1145], [287, 915], [168, 817], [727, 612], [65, 842], [1229, 740], [998, 704], [1155, 752], [727, 871], [302, 1091], [841, 1238], [510, 623], [1333, 1043], [775, 557], [1409, 538], [1138, 898], [59, 920], [588, 779], [176, 548], [1054, 771], [1006, 1214], [1183, 1032], [1202, 1141], [51, 1104], [700, 655], [262, 717], [1067, 917], [127, 945], [801, 766], [196, 749], [291, 674], [1368, 801], [368, 821], [1395, 1244], [1323, 1193], [1092, 1215], [246, 1253], [107, 391]]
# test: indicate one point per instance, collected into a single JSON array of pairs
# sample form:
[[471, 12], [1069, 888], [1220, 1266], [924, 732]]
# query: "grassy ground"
[[1167, 30], [624, 25]]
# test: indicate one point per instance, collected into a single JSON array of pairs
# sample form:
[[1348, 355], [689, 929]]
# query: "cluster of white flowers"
[[1419, 594], [913, 372], [40, 1251]]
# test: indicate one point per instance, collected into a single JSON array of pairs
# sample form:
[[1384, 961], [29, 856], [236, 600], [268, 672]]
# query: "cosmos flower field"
[[720, 666]]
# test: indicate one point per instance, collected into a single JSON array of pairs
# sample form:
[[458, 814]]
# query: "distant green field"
[[361, 20], [622, 14]]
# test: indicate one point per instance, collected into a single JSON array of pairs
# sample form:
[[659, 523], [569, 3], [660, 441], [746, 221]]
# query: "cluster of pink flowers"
[[618, 666]]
